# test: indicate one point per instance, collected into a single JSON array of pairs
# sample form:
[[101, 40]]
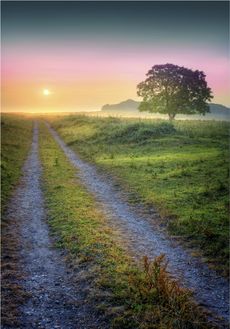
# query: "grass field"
[[182, 168], [130, 297], [16, 133]]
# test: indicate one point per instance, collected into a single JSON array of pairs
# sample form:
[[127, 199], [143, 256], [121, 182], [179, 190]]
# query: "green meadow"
[[182, 168]]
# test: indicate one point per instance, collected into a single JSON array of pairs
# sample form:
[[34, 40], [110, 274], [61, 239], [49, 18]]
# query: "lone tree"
[[172, 89]]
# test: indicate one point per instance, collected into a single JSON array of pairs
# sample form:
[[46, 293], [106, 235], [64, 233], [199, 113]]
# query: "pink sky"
[[88, 77]]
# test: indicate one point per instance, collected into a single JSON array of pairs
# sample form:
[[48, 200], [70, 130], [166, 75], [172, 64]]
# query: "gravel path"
[[55, 301], [139, 236]]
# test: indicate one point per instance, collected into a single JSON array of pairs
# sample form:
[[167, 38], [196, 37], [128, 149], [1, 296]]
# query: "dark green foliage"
[[138, 132], [172, 89]]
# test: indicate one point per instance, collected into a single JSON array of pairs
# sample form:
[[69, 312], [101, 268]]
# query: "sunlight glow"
[[46, 92]]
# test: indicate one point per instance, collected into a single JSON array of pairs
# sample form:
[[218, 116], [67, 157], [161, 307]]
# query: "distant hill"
[[129, 105], [217, 111]]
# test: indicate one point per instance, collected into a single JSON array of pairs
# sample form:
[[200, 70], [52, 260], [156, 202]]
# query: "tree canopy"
[[172, 89]]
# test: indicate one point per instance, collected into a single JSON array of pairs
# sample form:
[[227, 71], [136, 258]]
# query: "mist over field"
[[129, 108]]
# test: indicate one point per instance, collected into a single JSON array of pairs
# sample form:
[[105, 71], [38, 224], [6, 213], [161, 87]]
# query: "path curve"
[[210, 290], [55, 301]]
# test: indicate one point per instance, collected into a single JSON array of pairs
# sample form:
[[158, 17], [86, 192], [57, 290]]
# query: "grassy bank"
[[130, 297], [182, 168], [16, 133]]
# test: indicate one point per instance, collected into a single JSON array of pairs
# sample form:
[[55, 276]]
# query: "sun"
[[46, 92]]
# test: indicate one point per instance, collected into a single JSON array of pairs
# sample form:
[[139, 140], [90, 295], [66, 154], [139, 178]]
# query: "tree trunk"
[[171, 116]]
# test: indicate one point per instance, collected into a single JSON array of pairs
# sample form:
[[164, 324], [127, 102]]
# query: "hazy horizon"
[[87, 54]]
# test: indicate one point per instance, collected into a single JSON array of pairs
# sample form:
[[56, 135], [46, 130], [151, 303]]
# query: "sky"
[[87, 54]]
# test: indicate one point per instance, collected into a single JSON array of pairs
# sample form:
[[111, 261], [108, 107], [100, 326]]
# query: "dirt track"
[[142, 238], [55, 300]]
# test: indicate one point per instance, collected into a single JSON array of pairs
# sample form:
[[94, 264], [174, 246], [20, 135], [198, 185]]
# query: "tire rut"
[[140, 237], [58, 296]]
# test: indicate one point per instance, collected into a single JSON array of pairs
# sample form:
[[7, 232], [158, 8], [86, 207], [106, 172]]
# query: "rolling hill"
[[217, 111]]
